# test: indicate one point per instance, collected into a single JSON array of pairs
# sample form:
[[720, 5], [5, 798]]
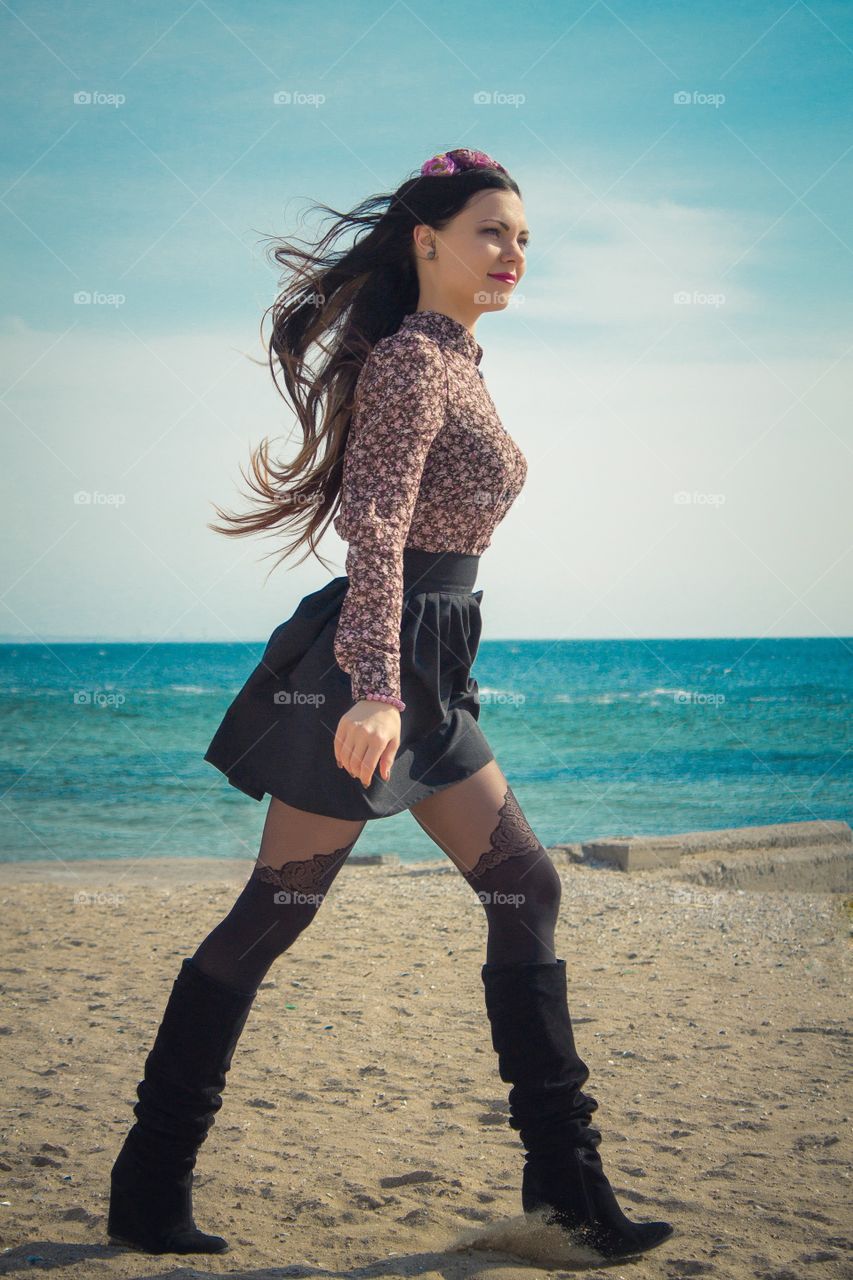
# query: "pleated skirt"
[[277, 735]]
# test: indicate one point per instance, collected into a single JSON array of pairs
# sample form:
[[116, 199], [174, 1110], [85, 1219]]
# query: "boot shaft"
[[527, 1006], [185, 1071]]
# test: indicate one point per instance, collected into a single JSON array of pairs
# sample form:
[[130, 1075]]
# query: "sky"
[[676, 365]]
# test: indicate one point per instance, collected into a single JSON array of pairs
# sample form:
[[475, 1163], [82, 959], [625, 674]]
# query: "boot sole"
[[122, 1242], [619, 1255]]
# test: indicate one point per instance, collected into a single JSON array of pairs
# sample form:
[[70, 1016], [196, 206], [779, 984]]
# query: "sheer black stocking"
[[281, 897], [480, 825]]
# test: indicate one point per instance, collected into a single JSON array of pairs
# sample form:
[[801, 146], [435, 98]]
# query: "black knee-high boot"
[[532, 1034], [151, 1180]]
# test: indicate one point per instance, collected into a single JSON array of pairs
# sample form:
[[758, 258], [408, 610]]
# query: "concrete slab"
[[638, 853]]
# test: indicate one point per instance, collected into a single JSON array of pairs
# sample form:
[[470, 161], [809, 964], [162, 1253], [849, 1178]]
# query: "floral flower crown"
[[447, 162]]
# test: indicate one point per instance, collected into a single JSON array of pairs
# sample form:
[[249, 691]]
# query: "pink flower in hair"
[[447, 162], [440, 164]]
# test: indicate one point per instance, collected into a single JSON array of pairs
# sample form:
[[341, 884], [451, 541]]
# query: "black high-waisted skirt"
[[278, 734]]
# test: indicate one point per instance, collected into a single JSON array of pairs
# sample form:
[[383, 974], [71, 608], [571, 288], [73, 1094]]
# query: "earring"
[[431, 253]]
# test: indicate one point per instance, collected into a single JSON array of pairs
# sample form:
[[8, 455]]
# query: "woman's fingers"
[[368, 748], [367, 764], [360, 747], [350, 749], [387, 758], [360, 757]]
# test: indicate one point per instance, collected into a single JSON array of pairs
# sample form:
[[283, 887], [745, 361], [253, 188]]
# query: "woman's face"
[[480, 254]]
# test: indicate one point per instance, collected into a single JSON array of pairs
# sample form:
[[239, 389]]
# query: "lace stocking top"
[[427, 464]]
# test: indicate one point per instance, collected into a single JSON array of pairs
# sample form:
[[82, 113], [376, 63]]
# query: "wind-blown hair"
[[343, 300]]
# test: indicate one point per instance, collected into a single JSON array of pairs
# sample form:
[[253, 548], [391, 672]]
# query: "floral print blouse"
[[427, 464]]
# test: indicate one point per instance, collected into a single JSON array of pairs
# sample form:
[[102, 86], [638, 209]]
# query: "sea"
[[102, 744]]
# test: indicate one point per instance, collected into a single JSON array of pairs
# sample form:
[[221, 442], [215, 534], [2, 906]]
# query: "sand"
[[364, 1127]]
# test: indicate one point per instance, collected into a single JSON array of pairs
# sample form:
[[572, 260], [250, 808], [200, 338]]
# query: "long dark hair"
[[351, 297]]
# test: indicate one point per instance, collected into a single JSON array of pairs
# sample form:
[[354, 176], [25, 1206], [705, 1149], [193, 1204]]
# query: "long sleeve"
[[400, 408]]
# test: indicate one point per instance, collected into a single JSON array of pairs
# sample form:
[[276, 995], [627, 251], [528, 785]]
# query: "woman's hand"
[[369, 734]]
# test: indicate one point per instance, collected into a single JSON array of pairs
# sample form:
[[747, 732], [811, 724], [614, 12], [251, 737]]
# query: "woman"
[[363, 704]]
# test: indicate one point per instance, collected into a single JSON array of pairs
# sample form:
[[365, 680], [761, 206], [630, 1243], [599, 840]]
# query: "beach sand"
[[364, 1126]]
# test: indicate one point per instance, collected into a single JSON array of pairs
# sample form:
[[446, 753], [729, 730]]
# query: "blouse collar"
[[445, 330]]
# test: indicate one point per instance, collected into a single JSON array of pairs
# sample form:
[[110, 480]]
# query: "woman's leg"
[[480, 826], [211, 998], [300, 855]]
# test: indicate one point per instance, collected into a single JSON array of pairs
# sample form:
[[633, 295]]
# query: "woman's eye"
[[523, 243]]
